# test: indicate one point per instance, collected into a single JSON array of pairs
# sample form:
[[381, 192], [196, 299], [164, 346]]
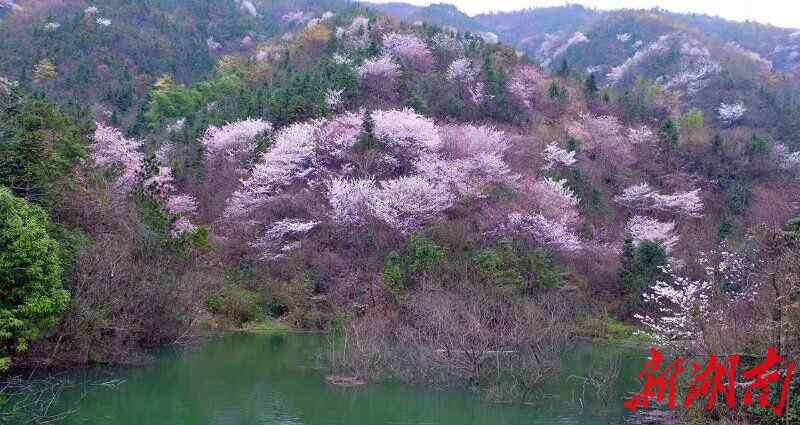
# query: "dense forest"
[[419, 191]]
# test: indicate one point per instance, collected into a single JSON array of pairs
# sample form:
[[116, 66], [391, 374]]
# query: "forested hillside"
[[174, 167]]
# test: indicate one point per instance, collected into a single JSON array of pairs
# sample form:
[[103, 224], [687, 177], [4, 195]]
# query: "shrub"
[[236, 304], [30, 276]]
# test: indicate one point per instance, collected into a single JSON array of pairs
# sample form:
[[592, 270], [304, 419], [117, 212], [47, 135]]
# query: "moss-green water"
[[253, 378]]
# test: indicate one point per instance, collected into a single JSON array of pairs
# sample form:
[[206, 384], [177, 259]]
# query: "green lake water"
[[273, 379]]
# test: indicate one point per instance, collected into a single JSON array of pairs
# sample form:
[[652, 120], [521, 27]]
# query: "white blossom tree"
[[731, 113], [642, 228], [409, 49], [275, 242], [351, 200], [112, 150], [555, 156], [409, 203], [233, 140], [644, 197], [288, 159]]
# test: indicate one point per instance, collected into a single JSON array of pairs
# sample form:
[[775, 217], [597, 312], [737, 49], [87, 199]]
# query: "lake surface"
[[274, 379]]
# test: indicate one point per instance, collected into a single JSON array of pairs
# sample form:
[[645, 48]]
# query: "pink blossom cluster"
[[339, 134], [273, 242], [409, 49], [644, 197], [463, 73], [556, 201], [409, 203], [405, 133], [555, 156], [462, 141], [604, 135], [234, 139], [523, 84], [351, 200], [731, 113], [182, 204], [643, 228], [289, 158], [380, 66], [467, 177], [113, 150], [547, 231]]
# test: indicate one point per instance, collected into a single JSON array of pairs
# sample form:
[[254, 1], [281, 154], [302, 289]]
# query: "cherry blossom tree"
[[112, 150], [233, 140], [333, 98], [603, 135], [409, 49], [405, 133], [644, 197], [523, 85], [467, 177], [547, 231], [555, 156], [351, 200], [274, 242], [182, 226], [731, 113], [379, 74], [338, 135], [463, 73], [556, 201], [288, 159], [408, 203], [682, 306], [462, 141], [643, 228], [182, 204], [640, 136]]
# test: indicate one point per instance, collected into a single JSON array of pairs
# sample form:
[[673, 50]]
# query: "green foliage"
[[367, 139], [423, 255], [39, 146], [590, 87], [759, 146], [557, 91], [693, 119], [668, 135], [236, 304], [563, 69], [394, 275], [527, 272], [639, 267], [30, 275]]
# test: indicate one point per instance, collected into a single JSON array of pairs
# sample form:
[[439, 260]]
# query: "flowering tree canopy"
[[463, 73], [523, 84], [547, 231], [273, 243], [409, 49], [405, 133], [644, 197], [643, 228], [556, 201], [555, 156], [408, 203], [233, 139], [379, 67], [289, 158], [113, 150], [462, 141], [731, 113], [351, 200]]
